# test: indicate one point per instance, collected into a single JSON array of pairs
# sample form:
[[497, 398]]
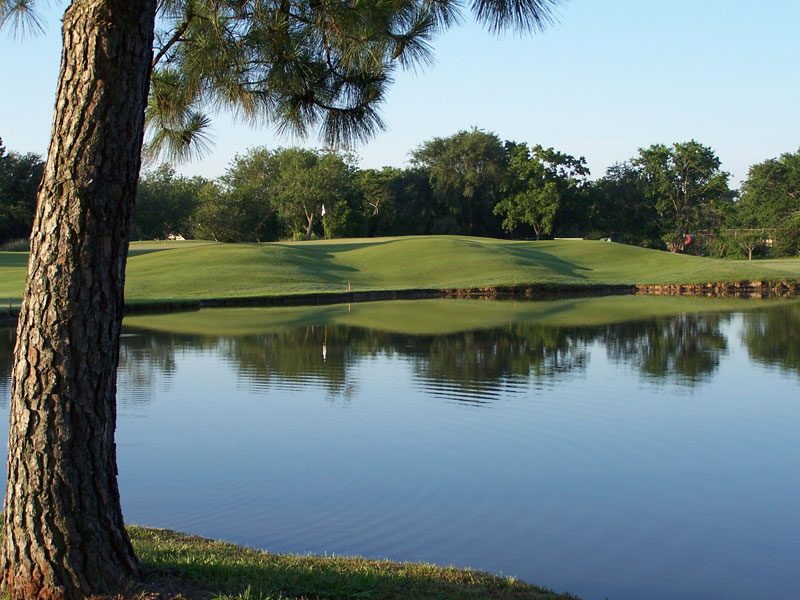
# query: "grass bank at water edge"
[[178, 566]]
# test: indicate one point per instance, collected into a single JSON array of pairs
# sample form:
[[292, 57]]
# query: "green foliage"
[[466, 171], [770, 194], [233, 215], [19, 181], [304, 181], [750, 242], [771, 199], [687, 189], [165, 204], [300, 65], [623, 212], [536, 182], [379, 196], [787, 236], [267, 194]]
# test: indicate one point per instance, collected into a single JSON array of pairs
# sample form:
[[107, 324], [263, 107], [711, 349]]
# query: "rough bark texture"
[[64, 533]]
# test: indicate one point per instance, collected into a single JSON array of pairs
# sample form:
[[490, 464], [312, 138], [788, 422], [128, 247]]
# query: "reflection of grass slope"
[[164, 271], [234, 572], [421, 317]]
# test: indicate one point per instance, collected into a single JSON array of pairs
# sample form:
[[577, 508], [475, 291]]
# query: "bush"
[[787, 237]]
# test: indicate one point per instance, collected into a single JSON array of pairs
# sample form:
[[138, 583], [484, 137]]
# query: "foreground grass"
[[181, 566], [174, 271]]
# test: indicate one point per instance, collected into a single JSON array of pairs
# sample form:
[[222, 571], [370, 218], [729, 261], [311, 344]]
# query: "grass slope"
[[174, 271], [197, 568]]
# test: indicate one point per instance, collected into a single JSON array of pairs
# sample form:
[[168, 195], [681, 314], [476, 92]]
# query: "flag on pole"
[[323, 210]]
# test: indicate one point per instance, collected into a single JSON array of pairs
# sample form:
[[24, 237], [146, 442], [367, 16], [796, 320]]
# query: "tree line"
[[674, 198]]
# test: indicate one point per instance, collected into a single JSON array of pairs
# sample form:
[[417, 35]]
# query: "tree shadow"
[[315, 261], [526, 256], [13, 259]]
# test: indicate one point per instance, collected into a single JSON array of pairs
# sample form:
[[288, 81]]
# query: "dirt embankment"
[[734, 289]]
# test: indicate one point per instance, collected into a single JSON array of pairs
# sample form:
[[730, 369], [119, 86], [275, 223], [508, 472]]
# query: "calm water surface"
[[655, 457]]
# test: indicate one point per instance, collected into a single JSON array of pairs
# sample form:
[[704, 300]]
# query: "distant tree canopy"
[[687, 188], [537, 182], [266, 195], [19, 180], [165, 204], [470, 183], [465, 172], [771, 200]]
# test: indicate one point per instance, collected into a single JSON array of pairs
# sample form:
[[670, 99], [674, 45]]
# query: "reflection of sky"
[[599, 480]]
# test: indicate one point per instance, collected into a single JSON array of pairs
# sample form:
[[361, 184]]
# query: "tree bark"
[[64, 532], [310, 228]]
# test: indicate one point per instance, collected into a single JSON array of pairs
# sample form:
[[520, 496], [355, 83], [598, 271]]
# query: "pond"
[[619, 447]]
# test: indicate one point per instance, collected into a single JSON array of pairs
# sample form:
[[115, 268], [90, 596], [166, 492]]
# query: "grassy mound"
[[174, 271]]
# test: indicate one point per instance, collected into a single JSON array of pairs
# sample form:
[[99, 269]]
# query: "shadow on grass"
[[533, 258], [13, 259], [315, 261]]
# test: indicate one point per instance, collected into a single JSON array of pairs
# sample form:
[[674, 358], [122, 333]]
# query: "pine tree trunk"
[[64, 533]]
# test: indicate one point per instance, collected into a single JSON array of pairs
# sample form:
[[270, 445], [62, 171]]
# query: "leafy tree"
[[749, 242], [240, 206], [771, 199], [622, 209], [379, 190], [787, 236], [299, 64], [19, 179], [687, 188], [465, 171], [165, 204], [416, 210], [304, 182], [771, 192], [537, 180]]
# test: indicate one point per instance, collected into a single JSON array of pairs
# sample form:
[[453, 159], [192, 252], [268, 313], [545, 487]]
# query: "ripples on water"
[[656, 459]]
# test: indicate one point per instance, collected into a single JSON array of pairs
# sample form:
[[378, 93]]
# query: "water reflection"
[[773, 337], [685, 347], [472, 366], [554, 441]]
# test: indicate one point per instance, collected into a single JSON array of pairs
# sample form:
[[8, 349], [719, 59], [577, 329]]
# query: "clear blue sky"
[[609, 78]]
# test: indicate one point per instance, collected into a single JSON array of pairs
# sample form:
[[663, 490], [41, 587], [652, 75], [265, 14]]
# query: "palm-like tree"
[[300, 64]]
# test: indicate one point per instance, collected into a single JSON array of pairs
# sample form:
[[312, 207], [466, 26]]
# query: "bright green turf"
[[437, 316], [171, 271]]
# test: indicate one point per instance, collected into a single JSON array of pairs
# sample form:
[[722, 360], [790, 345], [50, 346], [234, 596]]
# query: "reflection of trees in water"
[[474, 362], [480, 362], [475, 366], [292, 358], [687, 346], [148, 358], [772, 337]]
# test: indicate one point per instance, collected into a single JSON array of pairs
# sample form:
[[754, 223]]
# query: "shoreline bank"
[[757, 289]]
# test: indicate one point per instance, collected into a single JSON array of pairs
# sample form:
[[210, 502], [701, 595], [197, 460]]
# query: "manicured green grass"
[[174, 271], [437, 316], [232, 572]]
